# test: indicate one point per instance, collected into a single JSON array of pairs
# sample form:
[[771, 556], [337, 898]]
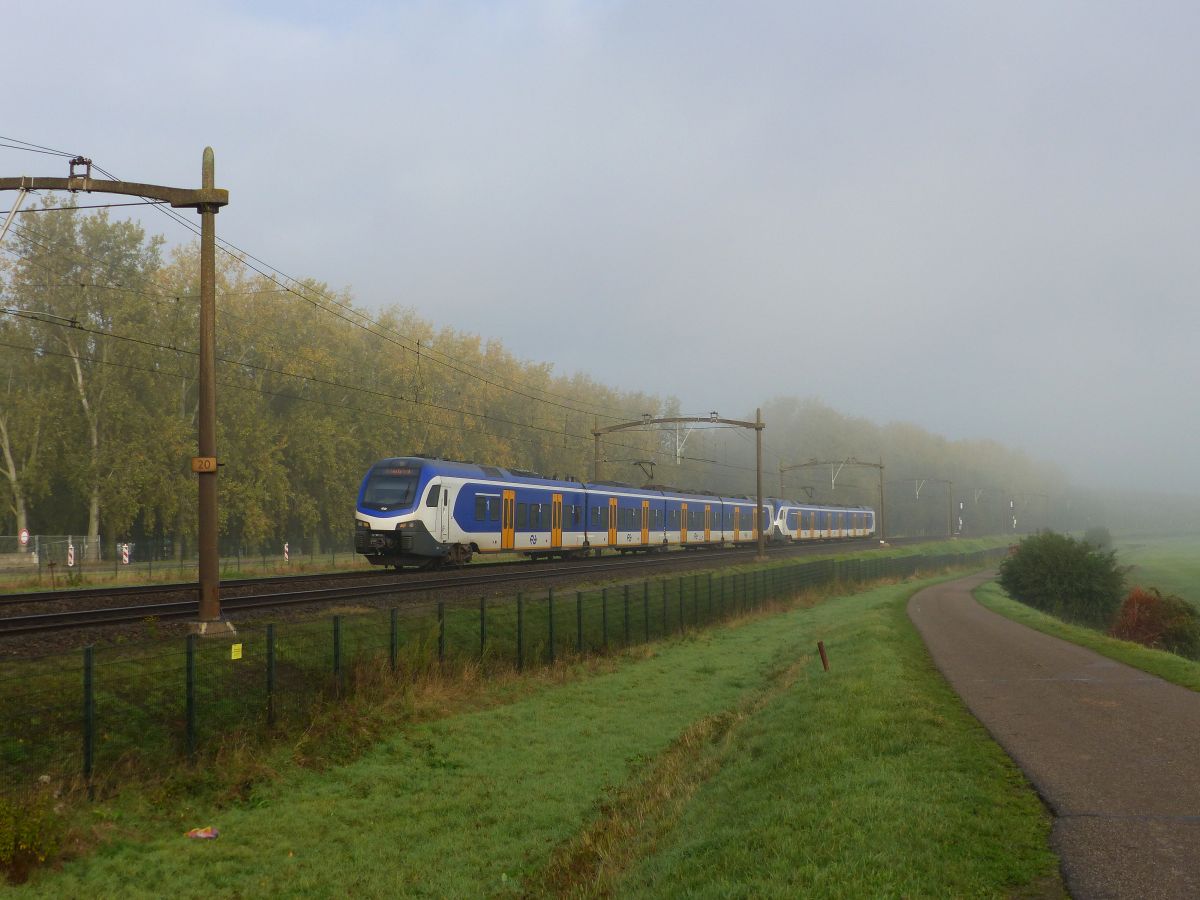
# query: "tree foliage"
[[98, 406], [1065, 577]]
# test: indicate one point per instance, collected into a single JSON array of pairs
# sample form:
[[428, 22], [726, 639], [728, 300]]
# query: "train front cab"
[[391, 524]]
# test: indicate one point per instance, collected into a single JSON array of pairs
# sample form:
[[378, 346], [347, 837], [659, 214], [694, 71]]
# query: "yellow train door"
[[737, 521], [683, 523], [707, 523], [645, 521], [508, 517], [556, 520], [612, 521]]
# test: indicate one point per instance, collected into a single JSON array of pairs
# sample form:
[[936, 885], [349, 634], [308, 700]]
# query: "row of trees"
[[98, 404]]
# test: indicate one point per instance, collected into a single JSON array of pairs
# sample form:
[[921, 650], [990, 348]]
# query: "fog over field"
[[979, 218]]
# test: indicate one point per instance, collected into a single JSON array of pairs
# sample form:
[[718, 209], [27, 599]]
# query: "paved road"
[[1114, 752]]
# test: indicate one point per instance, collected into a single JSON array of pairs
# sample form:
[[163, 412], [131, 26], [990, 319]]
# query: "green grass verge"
[[1170, 564], [868, 781], [1165, 665], [871, 779]]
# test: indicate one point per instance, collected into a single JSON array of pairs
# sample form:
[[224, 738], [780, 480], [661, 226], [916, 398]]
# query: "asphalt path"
[[1114, 752]]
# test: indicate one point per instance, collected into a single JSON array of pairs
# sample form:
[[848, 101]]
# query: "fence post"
[[191, 695], [604, 617], [681, 604], [646, 608], [520, 632], [337, 652], [627, 615], [579, 622], [550, 621], [666, 617], [394, 638], [270, 674], [89, 716], [482, 627], [441, 613]]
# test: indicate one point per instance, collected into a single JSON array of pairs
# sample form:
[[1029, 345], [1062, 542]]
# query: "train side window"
[[434, 495], [494, 510], [481, 509], [522, 515]]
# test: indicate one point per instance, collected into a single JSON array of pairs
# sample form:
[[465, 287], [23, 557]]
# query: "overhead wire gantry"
[[714, 419]]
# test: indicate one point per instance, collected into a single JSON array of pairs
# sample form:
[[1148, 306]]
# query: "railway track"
[[179, 603], [182, 609]]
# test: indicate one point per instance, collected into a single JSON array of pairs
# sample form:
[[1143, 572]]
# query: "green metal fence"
[[84, 717]]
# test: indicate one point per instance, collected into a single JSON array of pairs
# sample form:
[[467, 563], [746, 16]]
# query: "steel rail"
[[182, 609]]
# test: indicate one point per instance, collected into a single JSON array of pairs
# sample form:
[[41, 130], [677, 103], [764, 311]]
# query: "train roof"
[[467, 469]]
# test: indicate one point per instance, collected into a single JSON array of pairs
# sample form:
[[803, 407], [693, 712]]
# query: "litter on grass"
[[203, 834]]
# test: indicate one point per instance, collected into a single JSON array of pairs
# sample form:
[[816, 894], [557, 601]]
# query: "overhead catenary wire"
[[352, 316], [374, 411], [358, 318], [243, 255], [75, 324]]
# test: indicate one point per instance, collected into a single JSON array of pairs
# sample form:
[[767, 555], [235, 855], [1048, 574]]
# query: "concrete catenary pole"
[[206, 201], [210, 573], [762, 526]]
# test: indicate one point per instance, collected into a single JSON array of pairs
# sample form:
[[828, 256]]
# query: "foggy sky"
[[979, 218]]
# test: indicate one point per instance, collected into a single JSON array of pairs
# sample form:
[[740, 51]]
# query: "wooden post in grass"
[[824, 657]]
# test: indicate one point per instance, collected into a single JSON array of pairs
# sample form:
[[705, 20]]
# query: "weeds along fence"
[[83, 718], [64, 561]]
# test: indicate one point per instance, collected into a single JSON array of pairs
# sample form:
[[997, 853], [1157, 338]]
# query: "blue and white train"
[[418, 511]]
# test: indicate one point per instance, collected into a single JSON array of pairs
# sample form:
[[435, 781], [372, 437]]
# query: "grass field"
[[1170, 564], [726, 763]]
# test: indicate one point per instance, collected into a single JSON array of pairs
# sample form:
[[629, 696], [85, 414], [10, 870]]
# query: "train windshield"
[[391, 487]]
